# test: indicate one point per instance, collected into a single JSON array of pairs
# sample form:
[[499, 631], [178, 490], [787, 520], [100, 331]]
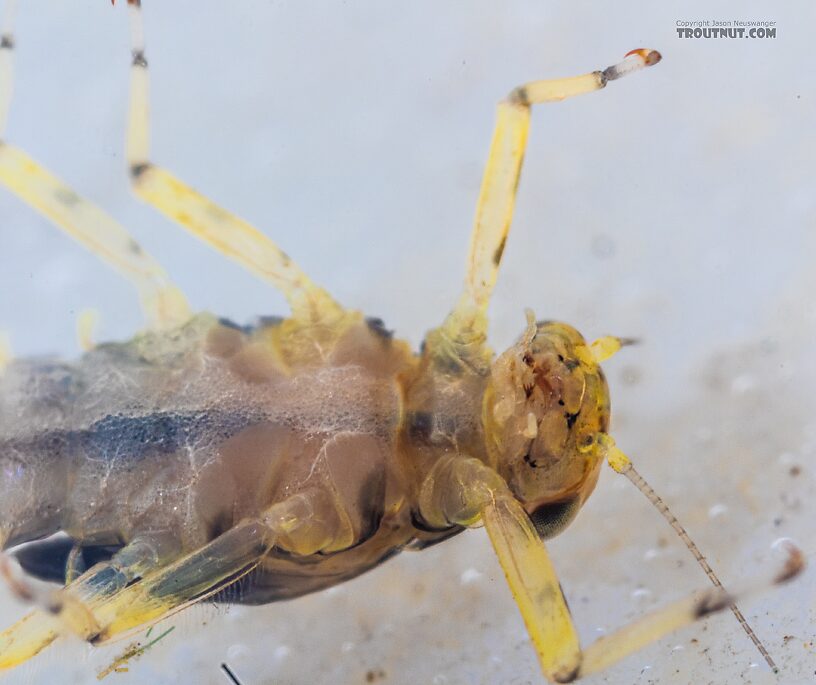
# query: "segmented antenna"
[[639, 482]]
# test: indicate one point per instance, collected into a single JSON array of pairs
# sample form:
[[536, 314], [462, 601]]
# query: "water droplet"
[[281, 652], [603, 246], [237, 652], [742, 384], [717, 510], [631, 375], [782, 544], [641, 593], [347, 647], [469, 575], [786, 458], [650, 554]]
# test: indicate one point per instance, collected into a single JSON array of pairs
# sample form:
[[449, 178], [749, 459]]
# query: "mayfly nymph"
[[300, 452]]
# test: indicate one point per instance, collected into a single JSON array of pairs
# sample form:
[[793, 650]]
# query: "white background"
[[676, 207]]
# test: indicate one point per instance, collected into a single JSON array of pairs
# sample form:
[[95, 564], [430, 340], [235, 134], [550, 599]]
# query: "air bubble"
[[783, 544], [603, 246], [742, 384], [786, 458], [469, 576], [237, 652], [641, 593], [717, 510]]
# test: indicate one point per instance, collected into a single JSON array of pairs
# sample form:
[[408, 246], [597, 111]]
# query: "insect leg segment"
[[222, 230], [135, 588], [71, 609], [163, 303], [612, 648], [86, 324], [466, 326], [75, 565], [462, 491], [101, 603], [74, 604], [294, 523], [6, 354]]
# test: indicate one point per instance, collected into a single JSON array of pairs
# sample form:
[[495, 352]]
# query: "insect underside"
[[299, 452]]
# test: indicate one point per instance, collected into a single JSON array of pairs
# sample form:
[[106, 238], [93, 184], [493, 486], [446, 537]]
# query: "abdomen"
[[133, 439]]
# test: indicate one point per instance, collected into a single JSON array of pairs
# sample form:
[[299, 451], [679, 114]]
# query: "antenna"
[[621, 463]]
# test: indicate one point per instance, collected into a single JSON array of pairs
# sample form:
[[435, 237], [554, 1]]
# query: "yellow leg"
[[462, 491], [74, 565], [105, 601], [464, 330], [214, 225], [188, 580], [164, 305], [6, 355], [70, 609], [302, 525], [612, 648], [86, 328]]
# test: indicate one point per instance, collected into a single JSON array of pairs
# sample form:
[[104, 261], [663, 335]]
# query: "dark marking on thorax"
[[377, 326], [136, 437]]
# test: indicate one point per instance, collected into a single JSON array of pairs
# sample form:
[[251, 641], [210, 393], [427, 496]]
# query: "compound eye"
[[550, 519]]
